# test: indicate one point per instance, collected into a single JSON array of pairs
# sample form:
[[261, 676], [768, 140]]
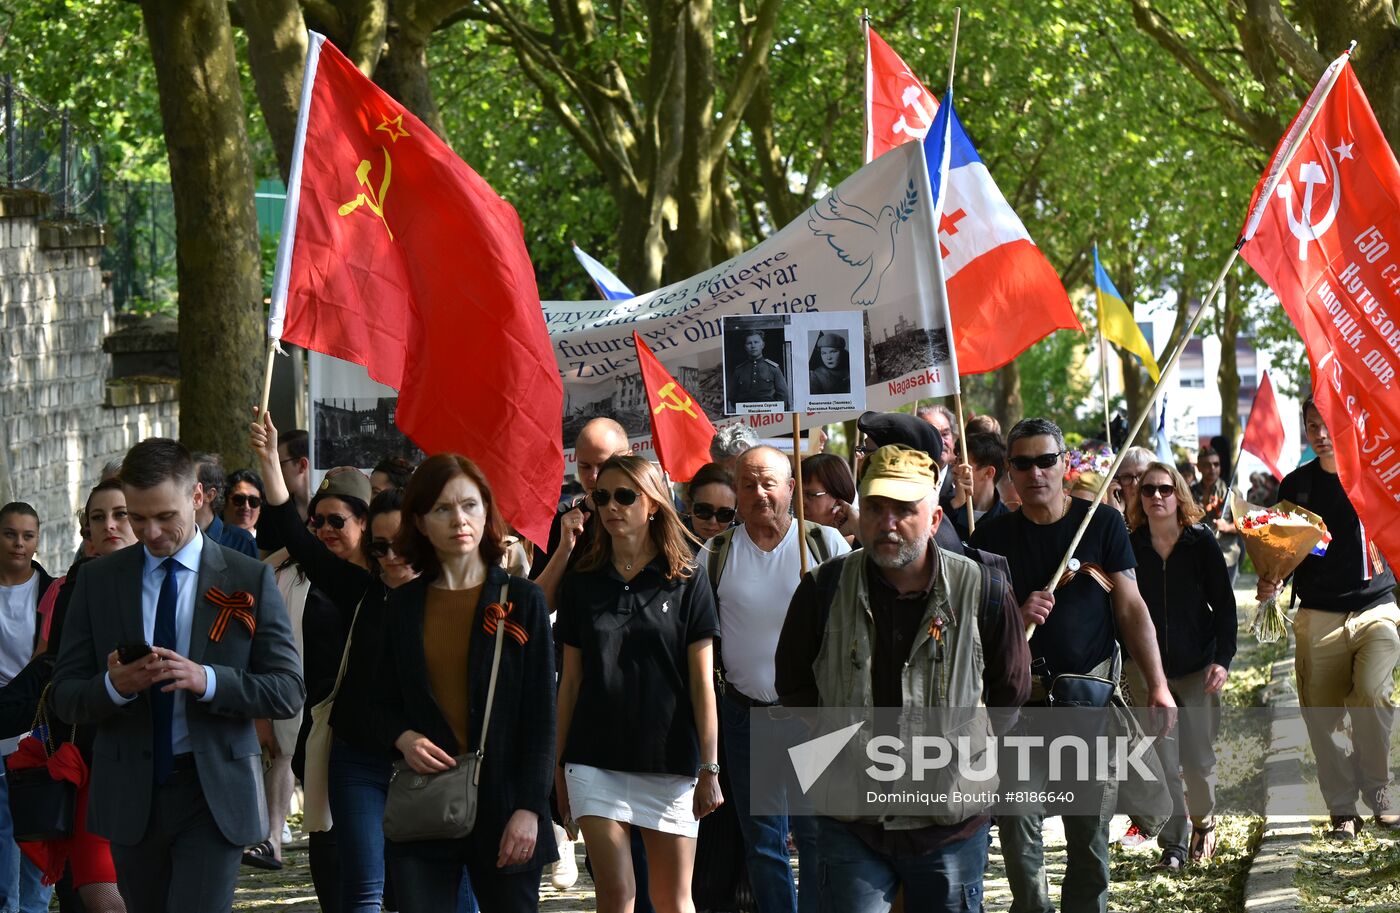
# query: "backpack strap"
[[717, 558], [816, 542]]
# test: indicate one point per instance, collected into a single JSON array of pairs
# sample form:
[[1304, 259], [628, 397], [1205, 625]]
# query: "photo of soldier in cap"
[[756, 366], [829, 367]]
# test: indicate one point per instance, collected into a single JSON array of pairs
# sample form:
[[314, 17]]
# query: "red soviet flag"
[[405, 261], [1321, 232], [897, 106], [680, 430], [1263, 432]]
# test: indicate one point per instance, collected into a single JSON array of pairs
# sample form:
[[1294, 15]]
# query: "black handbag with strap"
[[41, 807], [442, 806]]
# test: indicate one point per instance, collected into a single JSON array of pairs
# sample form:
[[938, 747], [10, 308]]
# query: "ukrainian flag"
[[1116, 321]]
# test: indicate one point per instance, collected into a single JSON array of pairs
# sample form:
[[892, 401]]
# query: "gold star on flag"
[[393, 127]]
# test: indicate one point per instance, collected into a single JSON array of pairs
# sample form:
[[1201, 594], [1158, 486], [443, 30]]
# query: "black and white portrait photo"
[[756, 365], [829, 366]]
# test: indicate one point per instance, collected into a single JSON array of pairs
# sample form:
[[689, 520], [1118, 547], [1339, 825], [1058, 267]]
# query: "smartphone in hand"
[[130, 653]]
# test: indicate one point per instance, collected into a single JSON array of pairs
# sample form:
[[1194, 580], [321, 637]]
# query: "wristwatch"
[[711, 768]]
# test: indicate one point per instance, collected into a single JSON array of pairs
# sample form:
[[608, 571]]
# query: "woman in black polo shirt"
[[637, 725]]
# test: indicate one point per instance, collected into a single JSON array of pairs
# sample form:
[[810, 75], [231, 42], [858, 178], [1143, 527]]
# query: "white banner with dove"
[[866, 247]]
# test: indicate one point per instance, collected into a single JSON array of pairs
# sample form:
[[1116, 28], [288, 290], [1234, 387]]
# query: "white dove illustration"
[[860, 239]]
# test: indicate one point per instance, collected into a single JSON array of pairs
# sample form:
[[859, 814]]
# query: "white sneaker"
[[286, 833], [563, 873]]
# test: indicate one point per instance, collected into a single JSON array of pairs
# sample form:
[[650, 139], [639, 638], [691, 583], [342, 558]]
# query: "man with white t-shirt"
[[22, 582], [755, 568]]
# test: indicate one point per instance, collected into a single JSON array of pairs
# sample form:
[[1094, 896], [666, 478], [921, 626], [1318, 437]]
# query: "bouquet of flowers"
[[1096, 460], [1277, 539]]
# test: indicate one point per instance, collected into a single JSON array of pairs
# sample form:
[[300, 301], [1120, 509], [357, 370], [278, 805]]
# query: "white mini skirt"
[[657, 802]]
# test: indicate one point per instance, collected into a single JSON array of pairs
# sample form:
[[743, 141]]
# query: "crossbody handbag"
[[1076, 690], [41, 807], [315, 781], [441, 806]]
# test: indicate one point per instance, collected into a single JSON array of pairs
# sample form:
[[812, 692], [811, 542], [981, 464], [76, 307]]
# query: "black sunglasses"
[[1164, 491], [379, 549], [1042, 461], [710, 512], [335, 520], [252, 501], [625, 496]]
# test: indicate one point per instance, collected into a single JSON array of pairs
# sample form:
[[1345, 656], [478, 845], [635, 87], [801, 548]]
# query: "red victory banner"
[[396, 255], [680, 430], [1321, 232]]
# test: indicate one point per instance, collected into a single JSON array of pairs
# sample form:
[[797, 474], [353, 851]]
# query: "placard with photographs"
[[762, 377]]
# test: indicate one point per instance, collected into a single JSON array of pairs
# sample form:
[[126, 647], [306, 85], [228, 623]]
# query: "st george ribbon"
[[867, 247]]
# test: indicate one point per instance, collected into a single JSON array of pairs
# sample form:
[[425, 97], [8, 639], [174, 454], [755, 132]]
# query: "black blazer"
[[517, 771]]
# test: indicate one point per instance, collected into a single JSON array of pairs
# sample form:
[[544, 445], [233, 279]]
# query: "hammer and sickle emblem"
[[1312, 175], [371, 198], [668, 392]]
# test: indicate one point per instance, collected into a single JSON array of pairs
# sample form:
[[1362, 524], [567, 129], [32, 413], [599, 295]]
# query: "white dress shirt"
[[187, 579]]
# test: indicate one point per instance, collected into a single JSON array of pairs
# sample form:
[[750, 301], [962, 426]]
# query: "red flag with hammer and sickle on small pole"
[[680, 430], [1324, 233]]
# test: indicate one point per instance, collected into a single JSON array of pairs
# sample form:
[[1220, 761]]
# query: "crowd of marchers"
[[386, 640]]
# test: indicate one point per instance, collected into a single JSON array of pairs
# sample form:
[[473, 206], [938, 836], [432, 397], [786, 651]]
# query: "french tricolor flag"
[[1003, 295]]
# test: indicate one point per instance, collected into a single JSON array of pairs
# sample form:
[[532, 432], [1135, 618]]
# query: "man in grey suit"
[[177, 769]]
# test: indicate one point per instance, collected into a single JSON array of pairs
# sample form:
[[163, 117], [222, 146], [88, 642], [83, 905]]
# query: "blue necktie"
[[162, 704]]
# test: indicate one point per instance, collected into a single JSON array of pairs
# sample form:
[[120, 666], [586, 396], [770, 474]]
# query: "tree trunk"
[[277, 58], [403, 73], [688, 247], [1009, 408], [218, 265], [1228, 377]]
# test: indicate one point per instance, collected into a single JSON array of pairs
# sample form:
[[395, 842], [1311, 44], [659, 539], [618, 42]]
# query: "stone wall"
[[62, 417]]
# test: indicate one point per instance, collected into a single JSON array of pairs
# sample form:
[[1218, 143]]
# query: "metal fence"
[[45, 151], [140, 252]]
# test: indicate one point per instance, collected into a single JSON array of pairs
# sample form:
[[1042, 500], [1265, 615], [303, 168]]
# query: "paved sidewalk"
[[1270, 887]]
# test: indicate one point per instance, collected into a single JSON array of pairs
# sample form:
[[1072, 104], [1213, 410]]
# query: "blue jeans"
[[856, 879], [22, 889], [358, 783], [765, 836]]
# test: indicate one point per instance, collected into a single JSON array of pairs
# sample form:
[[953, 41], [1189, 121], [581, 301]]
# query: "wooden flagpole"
[[797, 494], [267, 376]]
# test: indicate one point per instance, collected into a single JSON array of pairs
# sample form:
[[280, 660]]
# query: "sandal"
[[261, 857], [1171, 863], [1203, 843], [1343, 828]]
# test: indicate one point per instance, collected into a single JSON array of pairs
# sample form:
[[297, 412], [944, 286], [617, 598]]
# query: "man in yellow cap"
[[926, 629]]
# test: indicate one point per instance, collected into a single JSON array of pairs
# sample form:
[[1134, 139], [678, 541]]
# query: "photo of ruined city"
[[358, 432]]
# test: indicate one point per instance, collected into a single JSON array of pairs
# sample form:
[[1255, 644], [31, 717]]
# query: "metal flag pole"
[[1300, 132], [957, 397], [1103, 380], [867, 146]]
